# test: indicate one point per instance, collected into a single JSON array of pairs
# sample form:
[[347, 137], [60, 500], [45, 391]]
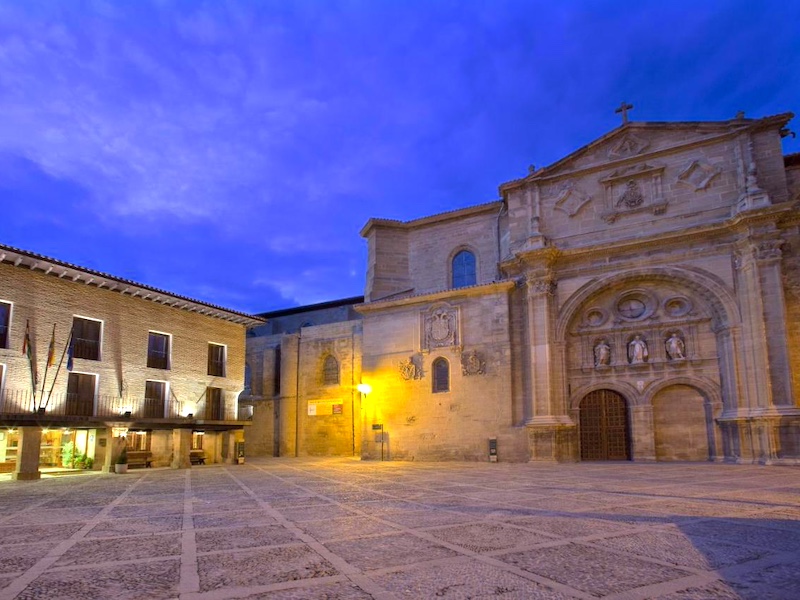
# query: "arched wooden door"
[[604, 426]]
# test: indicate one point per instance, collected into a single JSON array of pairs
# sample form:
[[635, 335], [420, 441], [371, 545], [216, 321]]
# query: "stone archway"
[[604, 427], [681, 424]]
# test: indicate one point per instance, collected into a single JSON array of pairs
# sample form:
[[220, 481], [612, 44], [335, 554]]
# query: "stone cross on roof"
[[624, 108]]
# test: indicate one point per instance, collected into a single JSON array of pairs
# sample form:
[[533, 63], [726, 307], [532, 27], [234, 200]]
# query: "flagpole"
[[58, 369], [50, 351], [27, 348]]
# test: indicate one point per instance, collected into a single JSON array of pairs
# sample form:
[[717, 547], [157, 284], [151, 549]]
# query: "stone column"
[[30, 443], [181, 446], [230, 442], [551, 433], [113, 450]]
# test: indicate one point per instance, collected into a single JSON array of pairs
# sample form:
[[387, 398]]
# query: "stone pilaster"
[[181, 447], [30, 443], [643, 447]]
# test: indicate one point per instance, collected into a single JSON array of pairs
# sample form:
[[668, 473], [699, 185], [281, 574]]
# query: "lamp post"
[[365, 389]]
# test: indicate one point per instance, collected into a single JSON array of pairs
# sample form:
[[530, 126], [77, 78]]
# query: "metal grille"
[[604, 426]]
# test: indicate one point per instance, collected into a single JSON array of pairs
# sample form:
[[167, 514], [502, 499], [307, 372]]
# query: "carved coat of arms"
[[440, 328]]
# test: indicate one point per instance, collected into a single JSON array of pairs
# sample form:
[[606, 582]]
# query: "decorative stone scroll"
[[632, 189], [629, 145], [698, 175], [768, 249], [571, 199], [472, 364], [542, 287], [411, 368]]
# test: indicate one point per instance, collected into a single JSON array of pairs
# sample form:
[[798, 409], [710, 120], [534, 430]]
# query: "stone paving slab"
[[325, 529]]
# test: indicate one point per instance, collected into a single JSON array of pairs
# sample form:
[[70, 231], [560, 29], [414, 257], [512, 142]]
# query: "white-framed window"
[[81, 392], [87, 338], [217, 354], [159, 346], [155, 399], [5, 322]]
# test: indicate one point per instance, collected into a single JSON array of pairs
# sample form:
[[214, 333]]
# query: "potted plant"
[[122, 461]]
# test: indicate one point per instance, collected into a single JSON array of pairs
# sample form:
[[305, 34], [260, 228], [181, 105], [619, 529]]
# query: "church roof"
[[720, 127], [438, 217]]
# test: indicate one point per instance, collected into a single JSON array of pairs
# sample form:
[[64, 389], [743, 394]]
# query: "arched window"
[[441, 375], [330, 371], [464, 269]]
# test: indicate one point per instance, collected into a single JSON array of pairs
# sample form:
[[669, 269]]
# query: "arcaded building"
[[87, 359], [639, 299]]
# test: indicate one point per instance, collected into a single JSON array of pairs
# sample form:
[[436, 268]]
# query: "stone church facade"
[[637, 300]]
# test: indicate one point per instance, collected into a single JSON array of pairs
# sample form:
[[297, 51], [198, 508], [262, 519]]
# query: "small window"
[[464, 269], [197, 440], [216, 360], [441, 375], [330, 371], [5, 319], [86, 338], [80, 394], [158, 350], [138, 440], [215, 407]]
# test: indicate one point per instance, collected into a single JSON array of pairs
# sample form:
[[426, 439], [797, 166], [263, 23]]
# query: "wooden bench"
[[197, 457], [140, 458]]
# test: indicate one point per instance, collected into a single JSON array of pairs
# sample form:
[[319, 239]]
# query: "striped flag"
[[51, 351], [70, 351], [27, 347]]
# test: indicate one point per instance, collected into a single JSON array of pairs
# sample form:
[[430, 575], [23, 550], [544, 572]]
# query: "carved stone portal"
[[440, 328]]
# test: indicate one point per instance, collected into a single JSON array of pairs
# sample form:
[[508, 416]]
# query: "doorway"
[[604, 430]]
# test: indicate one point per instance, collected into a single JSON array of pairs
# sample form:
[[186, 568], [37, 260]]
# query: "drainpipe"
[[297, 397]]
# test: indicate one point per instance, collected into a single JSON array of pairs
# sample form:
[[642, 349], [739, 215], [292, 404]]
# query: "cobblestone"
[[343, 529]]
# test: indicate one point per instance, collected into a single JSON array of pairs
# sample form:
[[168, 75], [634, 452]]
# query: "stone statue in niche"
[[637, 351], [676, 349], [602, 354], [471, 364]]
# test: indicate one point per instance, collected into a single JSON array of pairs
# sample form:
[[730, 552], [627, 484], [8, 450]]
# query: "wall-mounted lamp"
[[190, 416], [364, 388], [127, 414]]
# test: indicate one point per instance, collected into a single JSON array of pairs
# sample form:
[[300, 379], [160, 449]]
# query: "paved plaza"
[[345, 529]]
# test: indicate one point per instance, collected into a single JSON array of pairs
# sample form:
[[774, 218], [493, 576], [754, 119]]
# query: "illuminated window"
[[86, 338], [5, 319], [441, 375], [330, 371], [158, 350], [138, 440], [464, 269], [197, 440], [216, 360], [155, 394]]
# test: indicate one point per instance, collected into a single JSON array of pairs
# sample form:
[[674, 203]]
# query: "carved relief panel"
[[440, 328], [633, 189]]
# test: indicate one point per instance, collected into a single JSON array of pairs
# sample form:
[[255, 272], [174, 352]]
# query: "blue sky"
[[230, 151]]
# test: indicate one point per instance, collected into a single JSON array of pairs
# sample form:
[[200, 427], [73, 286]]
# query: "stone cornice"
[[457, 293], [437, 218], [734, 225]]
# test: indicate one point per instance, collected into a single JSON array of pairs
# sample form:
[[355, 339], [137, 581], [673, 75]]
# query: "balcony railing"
[[19, 402]]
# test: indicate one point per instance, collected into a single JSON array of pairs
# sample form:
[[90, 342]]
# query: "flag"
[[51, 351], [27, 347], [70, 351]]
